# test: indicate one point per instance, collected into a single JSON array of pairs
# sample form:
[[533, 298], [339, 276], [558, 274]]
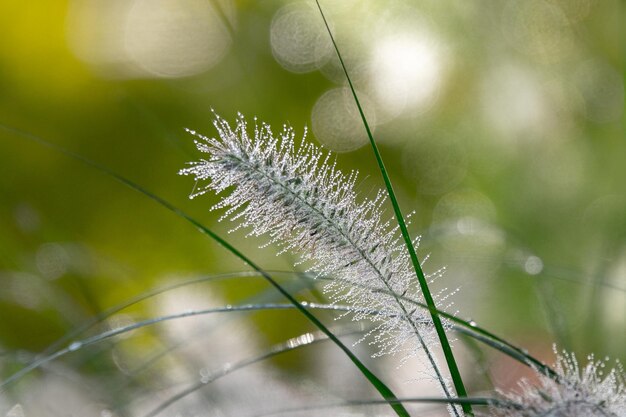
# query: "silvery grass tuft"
[[295, 196], [589, 391]]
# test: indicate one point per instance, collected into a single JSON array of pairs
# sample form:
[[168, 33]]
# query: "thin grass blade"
[[443, 338], [484, 401], [380, 386]]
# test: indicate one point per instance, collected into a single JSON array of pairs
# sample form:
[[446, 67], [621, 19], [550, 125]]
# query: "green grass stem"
[[484, 401], [441, 333], [380, 386]]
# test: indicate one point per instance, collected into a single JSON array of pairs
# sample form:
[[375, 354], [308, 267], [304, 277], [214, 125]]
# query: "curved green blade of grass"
[[107, 313], [466, 327], [89, 341], [443, 338], [463, 326], [471, 329], [94, 340], [267, 296], [484, 401], [380, 386]]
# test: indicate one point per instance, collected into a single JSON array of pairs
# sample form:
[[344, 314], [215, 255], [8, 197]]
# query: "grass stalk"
[[89, 341], [443, 338], [468, 328], [379, 385], [484, 401]]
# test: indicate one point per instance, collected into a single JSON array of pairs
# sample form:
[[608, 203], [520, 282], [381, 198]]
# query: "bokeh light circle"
[[406, 72], [336, 122], [149, 38], [174, 38], [298, 38]]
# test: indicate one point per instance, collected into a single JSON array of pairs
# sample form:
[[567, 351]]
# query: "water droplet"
[[472, 323], [75, 346], [533, 265], [304, 303], [205, 376]]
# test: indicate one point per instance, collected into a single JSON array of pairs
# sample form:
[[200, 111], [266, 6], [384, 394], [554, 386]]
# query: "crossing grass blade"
[[379, 385], [484, 401], [90, 341], [443, 338], [105, 314], [470, 329]]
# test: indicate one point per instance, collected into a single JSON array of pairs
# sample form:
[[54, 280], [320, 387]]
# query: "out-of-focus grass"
[[513, 156]]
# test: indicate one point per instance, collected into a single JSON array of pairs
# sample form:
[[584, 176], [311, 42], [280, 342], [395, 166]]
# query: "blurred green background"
[[501, 124]]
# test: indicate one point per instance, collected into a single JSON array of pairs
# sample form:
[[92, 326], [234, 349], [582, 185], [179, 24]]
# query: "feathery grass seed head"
[[588, 391], [297, 197]]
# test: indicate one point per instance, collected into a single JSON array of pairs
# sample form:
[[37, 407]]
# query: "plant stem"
[[443, 338], [380, 386], [371, 264]]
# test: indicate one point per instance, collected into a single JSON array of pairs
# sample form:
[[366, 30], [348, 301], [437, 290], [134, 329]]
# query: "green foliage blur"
[[501, 124]]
